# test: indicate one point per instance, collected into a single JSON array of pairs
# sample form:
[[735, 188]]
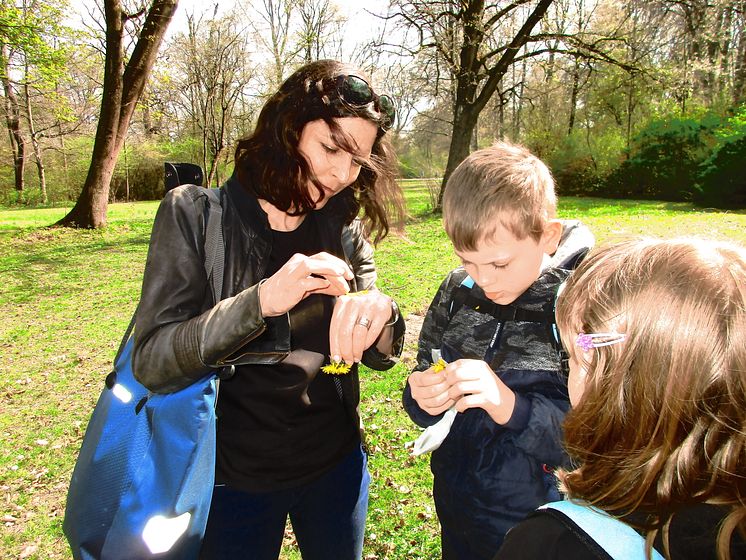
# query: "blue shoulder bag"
[[143, 480]]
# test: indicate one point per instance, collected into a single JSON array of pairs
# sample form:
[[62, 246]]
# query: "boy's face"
[[505, 266]]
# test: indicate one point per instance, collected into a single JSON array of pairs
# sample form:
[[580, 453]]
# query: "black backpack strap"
[[463, 295], [214, 244], [214, 256]]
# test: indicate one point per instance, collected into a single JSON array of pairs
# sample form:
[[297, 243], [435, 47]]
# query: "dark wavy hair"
[[270, 166]]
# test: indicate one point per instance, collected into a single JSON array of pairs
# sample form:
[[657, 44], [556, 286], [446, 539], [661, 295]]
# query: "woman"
[[299, 291], [656, 332]]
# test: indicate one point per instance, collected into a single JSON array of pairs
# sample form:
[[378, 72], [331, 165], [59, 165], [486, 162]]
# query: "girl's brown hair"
[[661, 424], [269, 164]]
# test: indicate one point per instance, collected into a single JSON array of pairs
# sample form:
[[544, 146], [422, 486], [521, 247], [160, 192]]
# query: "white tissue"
[[434, 435]]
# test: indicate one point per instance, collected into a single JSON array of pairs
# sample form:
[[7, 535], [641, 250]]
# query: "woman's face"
[[335, 168]]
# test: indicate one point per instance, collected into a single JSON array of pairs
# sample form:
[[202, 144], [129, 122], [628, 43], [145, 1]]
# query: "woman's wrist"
[[395, 314]]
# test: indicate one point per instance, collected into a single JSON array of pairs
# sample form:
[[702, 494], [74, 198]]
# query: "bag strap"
[[617, 538], [462, 295], [214, 252], [214, 245]]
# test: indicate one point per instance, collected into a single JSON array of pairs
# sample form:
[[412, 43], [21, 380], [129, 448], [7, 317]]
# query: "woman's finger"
[[324, 264]]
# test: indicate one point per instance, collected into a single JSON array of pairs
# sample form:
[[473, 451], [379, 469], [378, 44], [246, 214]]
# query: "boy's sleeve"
[[431, 336], [537, 427]]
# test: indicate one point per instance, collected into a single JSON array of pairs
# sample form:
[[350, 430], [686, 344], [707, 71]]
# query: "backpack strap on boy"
[[463, 295], [619, 540]]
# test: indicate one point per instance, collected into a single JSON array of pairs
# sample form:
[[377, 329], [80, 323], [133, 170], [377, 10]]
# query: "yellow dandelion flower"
[[440, 365], [336, 368]]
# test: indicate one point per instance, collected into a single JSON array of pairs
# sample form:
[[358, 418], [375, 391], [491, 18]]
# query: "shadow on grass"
[[42, 261]]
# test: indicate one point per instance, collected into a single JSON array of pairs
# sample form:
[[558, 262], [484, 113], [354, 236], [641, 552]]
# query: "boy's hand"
[[473, 384], [430, 391]]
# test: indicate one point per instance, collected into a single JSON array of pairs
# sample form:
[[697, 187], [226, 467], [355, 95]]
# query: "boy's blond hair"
[[504, 184], [660, 423]]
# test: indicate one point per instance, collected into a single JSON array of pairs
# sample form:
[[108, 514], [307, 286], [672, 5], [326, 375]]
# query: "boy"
[[492, 321]]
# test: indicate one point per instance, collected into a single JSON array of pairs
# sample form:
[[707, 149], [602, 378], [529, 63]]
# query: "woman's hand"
[[430, 391], [301, 276], [473, 384], [357, 322]]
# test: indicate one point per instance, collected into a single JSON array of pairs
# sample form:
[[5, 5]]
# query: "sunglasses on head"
[[357, 93]]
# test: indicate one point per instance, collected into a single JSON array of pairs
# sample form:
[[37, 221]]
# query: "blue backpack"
[[618, 539], [143, 480]]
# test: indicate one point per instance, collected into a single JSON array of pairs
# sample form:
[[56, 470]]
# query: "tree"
[[467, 37], [214, 62], [739, 63], [124, 82], [319, 31], [13, 117], [276, 38], [709, 48], [31, 61]]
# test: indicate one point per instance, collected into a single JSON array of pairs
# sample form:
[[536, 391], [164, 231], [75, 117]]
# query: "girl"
[[656, 332]]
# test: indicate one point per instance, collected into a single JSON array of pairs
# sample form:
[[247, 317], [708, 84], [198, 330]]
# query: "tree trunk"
[[518, 101], [469, 101], [463, 128], [13, 120], [575, 90], [739, 65], [35, 143], [123, 86]]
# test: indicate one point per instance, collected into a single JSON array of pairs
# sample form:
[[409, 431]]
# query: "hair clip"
[[595, 340]]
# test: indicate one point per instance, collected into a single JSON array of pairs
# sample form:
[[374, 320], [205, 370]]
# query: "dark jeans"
[[327, 515], [467, 534]]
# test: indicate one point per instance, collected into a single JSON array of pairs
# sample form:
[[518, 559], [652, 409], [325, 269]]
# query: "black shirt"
[[285, 424], [550, 535]]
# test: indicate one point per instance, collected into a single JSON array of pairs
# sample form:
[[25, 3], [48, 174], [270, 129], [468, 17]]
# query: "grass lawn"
[[67, 296]]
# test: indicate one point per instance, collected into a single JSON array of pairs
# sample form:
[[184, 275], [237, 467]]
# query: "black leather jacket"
[[180, 336]]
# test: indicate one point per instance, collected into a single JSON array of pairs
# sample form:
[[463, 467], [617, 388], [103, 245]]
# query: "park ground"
[[66, 297]]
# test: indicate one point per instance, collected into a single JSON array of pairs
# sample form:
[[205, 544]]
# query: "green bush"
[[664, 160], [579, 165], [722, 181], [577, 177]]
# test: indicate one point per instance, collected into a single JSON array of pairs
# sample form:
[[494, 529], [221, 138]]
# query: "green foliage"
[[722, 181], [38, 50], [733, 126], [140, 165], [580, 163], [664, 160]]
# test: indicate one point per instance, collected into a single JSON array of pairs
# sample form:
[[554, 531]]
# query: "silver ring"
[[363, 322]]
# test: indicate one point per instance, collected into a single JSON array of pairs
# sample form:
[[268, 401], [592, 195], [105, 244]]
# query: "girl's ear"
[[550, 239]]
